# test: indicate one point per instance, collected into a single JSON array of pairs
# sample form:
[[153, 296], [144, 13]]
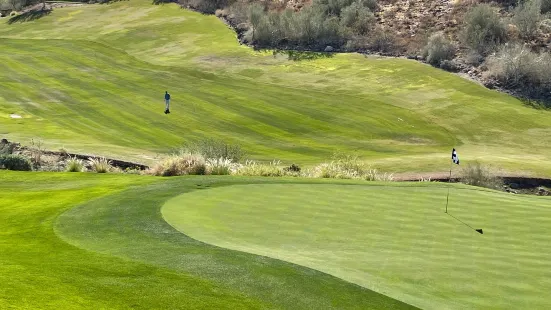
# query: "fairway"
[[394, 239], [91, 79]]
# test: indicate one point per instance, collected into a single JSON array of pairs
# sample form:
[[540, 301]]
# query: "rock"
[[514, 186], [4, 141], [329, 49]]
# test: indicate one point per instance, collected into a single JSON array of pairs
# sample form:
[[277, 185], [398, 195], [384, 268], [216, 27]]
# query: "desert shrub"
[[332, 7], [545, 6], [483, 29], [7, 148], [220, 166], [516, 66], [180, 164], [100, 165], [212, 148], [256, 15], [292, 168], [527, 17], [74, 164], [310, 26], [133, 171], [206, 6], [382, 41], [252, 168], [479, 175], [545, 25], [36, 150], [238, 12], [438, 49], [358, 18], [335, 7], [376, 175], [342, 166], [15, 162], [332, 170]]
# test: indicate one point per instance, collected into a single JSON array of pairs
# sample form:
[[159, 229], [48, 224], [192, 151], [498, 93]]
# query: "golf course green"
[[394, 239], [91, 79]]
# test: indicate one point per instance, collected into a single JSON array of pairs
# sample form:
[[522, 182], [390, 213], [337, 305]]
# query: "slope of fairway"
[[394, 239], [91, 79]]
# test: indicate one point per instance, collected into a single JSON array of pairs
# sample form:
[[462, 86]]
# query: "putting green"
[[394, 239]]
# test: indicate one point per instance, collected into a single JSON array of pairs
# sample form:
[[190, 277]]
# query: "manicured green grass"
[[394, 239], [91, 79], [115, 251]]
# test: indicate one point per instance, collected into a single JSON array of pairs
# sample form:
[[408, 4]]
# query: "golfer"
[[167, 103]]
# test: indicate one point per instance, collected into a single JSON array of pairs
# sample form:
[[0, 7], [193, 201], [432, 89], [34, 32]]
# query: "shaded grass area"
[[141, 234], [276, 108], [395, 239]]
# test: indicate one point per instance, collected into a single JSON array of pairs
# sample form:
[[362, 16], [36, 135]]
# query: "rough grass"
[[103, 84], [394, 239]]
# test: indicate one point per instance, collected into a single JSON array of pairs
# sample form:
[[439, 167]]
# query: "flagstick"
[[449, 181]]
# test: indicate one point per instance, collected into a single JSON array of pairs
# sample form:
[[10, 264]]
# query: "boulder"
[[329, 49]]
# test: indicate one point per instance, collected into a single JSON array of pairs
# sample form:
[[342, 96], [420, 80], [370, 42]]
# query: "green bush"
[[527, 17], [483, 29], [74, 164], [479, 175], [515, 66], [358, 18], [438, 49], [15, 162]]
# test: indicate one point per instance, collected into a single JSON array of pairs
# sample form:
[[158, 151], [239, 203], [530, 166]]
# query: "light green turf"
[[98, 88], [123, 255], [394, 239]]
